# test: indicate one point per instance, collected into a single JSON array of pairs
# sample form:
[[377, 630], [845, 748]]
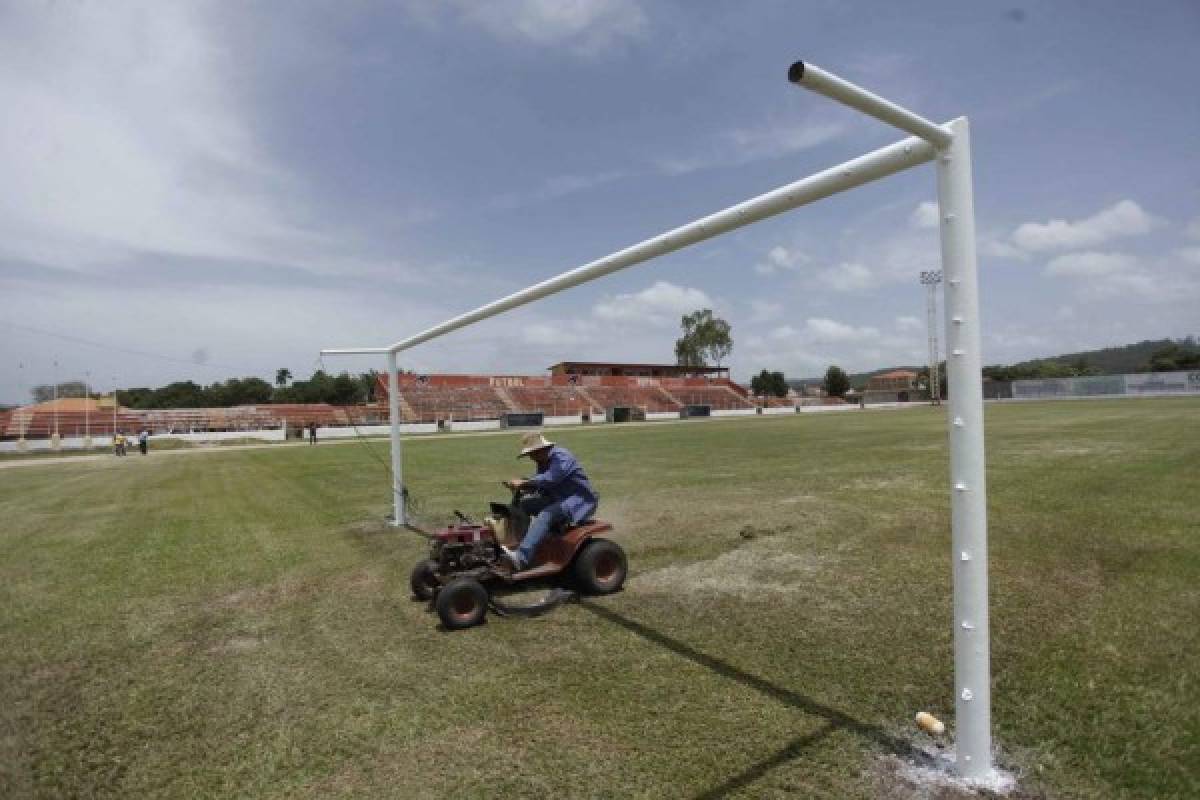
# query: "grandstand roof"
[[618, 367], [66, 404]]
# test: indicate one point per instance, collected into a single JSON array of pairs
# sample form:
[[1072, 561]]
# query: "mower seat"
[[586, 528]]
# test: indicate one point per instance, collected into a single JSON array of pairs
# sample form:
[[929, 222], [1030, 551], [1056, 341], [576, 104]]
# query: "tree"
[[1176, 356], [759, 384], [769, 384], [836, 381], [778, 384], [705, 338], [282, 376], [44, 393], [370, 382]]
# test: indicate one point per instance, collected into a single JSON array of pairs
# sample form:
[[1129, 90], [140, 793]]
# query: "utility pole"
[[930, 281], [56, 440]]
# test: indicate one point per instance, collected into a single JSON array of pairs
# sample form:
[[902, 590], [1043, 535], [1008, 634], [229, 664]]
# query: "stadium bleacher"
[[553, 400], [647, 398]]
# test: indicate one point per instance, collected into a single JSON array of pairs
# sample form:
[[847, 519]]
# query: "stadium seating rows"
[[428, 404], [552, 401], [647, 398]]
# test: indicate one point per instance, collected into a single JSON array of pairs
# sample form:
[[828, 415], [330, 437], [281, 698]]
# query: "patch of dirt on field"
[[292, 588], [367, 527], [235, 645], [934, 779], [886, 483], [798, 498], [749, 571], [757, 531]]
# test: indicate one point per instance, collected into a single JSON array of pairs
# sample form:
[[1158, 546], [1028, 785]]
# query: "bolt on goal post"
[[948, 145]]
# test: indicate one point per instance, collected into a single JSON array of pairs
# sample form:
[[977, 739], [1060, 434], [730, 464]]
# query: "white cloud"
[[1120, 275], [1123, 219], [780, 259], [924, 216], [127, 134], [1090, 264], [764, 310], [585, 26], [661, 304], [993, 247], [849, 276], [745, 145], [806, 349], [556, 187], [820, 330], [1190, 255], [908, 324], [1192, 231]]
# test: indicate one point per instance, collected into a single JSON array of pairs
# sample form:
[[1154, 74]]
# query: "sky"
[[203, 190]]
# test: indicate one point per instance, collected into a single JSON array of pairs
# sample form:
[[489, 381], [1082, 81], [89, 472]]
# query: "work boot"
[[512, 557]]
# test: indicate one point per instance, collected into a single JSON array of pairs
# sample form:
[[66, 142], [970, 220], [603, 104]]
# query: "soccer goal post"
[[948, 145]]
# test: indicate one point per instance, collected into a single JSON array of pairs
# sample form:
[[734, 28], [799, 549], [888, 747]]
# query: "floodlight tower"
[[930, 280]]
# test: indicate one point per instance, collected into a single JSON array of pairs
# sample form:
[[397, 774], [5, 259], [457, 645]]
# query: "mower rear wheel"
[[601, 567], [422, 579], [462, 603]]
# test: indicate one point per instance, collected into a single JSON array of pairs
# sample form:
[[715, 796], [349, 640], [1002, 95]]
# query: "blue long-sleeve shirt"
[[564, 481]]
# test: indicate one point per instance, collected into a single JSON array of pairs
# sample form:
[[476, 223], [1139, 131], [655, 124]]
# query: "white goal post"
[[949, 146]]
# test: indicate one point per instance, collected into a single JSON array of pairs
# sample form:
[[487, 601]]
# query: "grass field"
[[238, 624]]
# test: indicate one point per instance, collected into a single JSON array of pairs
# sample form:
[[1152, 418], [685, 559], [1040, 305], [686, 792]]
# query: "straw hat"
[[532, 442]]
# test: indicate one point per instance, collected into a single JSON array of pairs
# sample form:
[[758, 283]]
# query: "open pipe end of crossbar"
[[847, 93]]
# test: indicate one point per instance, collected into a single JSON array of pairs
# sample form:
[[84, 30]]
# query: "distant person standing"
[[144, 441], [312, 433], [118, 444]]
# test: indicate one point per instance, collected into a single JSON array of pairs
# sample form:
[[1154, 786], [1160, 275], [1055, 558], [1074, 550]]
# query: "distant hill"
[[1109, 360], [1105, 361]]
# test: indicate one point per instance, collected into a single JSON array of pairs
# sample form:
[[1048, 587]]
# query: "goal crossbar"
[[864, 169]]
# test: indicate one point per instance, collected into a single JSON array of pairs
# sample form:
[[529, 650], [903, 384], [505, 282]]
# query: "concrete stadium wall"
[[105, 442], [788, 410], [219, 436], [563, 420], [827, 409], [658, 415], [375, 430], [733, 412], [475, 425]]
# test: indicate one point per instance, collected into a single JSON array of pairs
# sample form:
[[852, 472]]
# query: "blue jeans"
[[547, 517]]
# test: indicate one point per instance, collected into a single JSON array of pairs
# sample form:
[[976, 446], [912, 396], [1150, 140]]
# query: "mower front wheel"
[[601, 567], [462, 603], [423, 580]]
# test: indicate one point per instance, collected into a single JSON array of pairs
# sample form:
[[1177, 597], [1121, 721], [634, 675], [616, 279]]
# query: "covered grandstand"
[[567, 391]]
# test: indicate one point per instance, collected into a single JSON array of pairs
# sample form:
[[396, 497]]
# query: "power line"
[[125, 350]]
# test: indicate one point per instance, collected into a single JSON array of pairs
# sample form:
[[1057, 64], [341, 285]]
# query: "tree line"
[[343, 389]]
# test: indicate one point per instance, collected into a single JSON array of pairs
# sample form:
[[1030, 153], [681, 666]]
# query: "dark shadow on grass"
[[835, 719], [756, 771]]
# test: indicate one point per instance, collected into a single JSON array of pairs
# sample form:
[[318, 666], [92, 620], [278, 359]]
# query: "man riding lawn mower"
[[547, 531]]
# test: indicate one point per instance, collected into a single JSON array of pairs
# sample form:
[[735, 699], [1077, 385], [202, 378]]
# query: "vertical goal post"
[[948, 145]]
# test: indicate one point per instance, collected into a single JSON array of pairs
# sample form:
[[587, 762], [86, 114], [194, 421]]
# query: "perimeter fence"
[[1142, 384]]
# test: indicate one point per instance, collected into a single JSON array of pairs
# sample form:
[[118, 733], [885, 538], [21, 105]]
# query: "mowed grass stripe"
[[238, 623]]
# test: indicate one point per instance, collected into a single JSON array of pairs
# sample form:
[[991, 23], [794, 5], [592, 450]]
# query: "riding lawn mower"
[[467, 572]]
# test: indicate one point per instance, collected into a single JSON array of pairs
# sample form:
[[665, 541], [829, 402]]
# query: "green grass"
[[238, 624]]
